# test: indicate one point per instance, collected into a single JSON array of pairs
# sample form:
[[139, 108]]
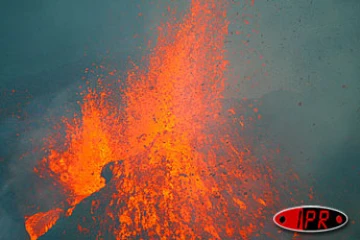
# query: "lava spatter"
[[185, 169], [39, 223]]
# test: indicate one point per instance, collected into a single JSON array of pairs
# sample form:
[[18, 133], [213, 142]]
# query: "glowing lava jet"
[[186, 173]]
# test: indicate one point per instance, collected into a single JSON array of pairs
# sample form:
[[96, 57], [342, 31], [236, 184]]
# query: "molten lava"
[[186, 172], [41, 222]]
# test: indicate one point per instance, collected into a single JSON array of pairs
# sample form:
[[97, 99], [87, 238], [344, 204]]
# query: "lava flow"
[[185, 173]]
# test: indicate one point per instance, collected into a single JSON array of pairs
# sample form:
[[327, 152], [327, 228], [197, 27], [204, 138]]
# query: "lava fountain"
[[185, 170]]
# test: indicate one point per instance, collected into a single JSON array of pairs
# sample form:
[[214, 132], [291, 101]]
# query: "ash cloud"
[[311, 97]]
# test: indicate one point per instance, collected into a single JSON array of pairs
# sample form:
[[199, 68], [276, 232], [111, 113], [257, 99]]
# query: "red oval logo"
[[310, 219]]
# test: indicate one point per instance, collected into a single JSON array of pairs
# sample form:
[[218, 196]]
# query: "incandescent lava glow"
[[186, 173]]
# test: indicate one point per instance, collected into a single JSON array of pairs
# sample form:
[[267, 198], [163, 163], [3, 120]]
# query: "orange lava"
[[186, 173], [41, 222]]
